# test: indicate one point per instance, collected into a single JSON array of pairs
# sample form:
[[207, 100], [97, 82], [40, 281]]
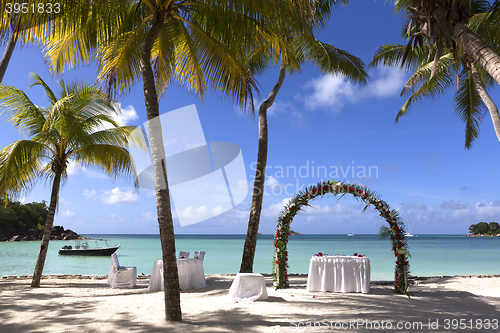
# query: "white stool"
[[248, 287]]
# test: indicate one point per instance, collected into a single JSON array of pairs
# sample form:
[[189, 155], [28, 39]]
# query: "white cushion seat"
[[120, 276]]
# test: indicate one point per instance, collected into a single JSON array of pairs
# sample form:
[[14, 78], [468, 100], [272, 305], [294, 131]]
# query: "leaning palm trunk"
[[9, 49], [478, 83], [165, 222], [47, 230], [260, 176], [477, 49]]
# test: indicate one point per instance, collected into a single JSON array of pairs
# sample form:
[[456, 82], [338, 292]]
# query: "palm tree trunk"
[[260, 176], [477, 49], [47, 230], [495, 117], [165, 222], [7, 54]]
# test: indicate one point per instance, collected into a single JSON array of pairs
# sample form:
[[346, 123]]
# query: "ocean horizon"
[[431, 255]]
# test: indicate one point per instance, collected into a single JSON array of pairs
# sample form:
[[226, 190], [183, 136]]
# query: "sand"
[[89, 305]]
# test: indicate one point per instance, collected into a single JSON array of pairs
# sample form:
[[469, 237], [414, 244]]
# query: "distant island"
[[491, 229], [25, 222]]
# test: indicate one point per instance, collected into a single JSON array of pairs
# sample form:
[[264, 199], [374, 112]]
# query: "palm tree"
[[159, 41], [298, 48], [70, 129], [431, 78], [438, 20], [30, 22]]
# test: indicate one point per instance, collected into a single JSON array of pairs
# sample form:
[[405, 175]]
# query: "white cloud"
[[63, 201], [67, 214], [200, 213], [116, 196], [274, 210], [278, 107], [455, 205], [329, 91], [389, 82], [332, 209], [333, 91], [22, 200], [89, 193], [487, 209], [273, 184], [127, 115]]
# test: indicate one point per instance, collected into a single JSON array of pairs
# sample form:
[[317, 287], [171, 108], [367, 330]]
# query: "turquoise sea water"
[[430, 254]]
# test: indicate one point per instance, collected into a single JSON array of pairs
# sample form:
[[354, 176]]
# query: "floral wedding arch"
[[361, 193]]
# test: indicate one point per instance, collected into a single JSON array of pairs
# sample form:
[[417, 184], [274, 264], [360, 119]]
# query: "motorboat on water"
[[83, 249]]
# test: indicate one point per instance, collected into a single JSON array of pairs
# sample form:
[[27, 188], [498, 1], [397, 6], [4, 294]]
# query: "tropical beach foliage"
[[297, 48], [454, 67], [161, 41], [16, 215], [483, 228], [396, 229], [443, 22], [77, 127]]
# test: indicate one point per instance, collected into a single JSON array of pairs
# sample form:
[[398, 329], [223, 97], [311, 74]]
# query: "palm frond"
[[21, 111], [20, 164], [331, 59], [114, 160], [469, 107], [421, 85]]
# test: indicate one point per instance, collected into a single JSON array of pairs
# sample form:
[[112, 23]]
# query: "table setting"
[[339, 273], [190, 271]]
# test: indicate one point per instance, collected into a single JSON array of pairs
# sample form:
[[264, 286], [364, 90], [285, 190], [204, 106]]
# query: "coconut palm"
[[430, 78], [299, 47], [76, 127], [159, 41], [29, 22], [437, 21]]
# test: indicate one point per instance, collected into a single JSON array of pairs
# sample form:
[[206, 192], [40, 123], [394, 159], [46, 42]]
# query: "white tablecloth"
[[191, 274], [248, 287], [339, 274]]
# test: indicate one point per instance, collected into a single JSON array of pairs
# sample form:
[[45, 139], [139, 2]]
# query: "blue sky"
[[319, 122]]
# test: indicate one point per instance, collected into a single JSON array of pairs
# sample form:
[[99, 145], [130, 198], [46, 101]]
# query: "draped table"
[[248, 287], [191, 274], [339, 274]]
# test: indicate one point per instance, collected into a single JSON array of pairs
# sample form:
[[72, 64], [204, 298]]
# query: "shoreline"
[[90, 306], [267, 275]]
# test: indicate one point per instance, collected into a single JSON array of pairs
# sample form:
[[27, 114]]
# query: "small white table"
[[190, 271], [339, 274], [248, 287]]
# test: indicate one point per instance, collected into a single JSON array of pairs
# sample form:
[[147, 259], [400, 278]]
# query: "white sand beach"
[[89, 305]]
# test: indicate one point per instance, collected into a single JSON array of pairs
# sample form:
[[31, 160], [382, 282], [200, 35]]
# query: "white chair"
[[199, 254], [120, 276], [183, 255]]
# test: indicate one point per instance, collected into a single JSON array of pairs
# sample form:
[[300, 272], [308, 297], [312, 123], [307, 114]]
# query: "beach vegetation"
[[16, 215], [296, 48], [484, 228], [452, 65], [444, 23], [77, 126], [160, 41]]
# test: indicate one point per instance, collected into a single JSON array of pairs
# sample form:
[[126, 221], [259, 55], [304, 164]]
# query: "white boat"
[[350, 234], [409, 234]]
